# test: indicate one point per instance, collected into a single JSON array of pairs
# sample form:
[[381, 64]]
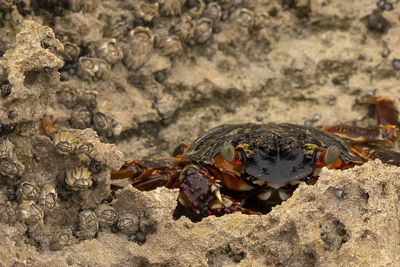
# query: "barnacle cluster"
[[115, 55], [52, 186], [9, 163], [88, 67]]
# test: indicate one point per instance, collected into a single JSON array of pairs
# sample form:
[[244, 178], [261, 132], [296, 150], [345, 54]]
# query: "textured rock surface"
[[31, 68], [347, 218], [281, 61]]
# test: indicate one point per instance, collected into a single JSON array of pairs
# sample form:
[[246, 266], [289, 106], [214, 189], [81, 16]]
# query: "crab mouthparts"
[[279, 166]]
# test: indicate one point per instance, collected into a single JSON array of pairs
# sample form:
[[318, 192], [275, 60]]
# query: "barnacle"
[[128, 223], [260, 20], [29, 213], [61, 239], [8, 167], [65, 142], [185, 28], [8, 212], [89, 99], [85, 148], [141, 42], [213, 12], [78, 178], [203, 30], [146, 11], [85, 6], [108, 49], [117, 29], [80, 117], [171, 46], [172, 7], [101, 122], [106, 215], [160, 33], [88, 224], [9, 164], [71, 51], [89, 68], [48, 197], [197, 8], [6, 149], [5, 3], [67, 96], [243, 17], [27, 191]]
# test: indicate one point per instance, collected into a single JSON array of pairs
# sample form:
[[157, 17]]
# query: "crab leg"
[[386, 115], [383, 133], [371, 153], [149, 174], [385, 111]]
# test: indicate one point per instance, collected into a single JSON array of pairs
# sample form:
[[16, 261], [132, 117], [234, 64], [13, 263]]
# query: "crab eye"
[[227, 151], [331, 155]]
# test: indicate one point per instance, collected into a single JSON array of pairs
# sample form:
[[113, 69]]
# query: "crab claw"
[[196, 189]]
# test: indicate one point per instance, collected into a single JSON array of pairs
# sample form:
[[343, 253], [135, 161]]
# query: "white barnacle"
[[79, 178], [65, 142]]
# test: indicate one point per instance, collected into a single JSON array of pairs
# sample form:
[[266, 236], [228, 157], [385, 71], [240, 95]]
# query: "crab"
[[249, 167]]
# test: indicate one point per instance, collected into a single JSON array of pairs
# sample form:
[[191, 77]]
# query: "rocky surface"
[[347, 218], [147, 75]]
